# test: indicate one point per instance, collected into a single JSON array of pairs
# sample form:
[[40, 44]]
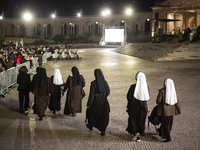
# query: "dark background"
[[44, 8]]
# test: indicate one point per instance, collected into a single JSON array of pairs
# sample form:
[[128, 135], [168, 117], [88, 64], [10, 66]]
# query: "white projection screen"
[[114, 35]]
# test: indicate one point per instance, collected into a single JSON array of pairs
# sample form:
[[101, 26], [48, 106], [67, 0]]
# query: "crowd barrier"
[[8, 78]]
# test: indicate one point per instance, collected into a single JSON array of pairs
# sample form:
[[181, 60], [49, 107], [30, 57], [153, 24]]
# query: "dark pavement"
[[57, 131]]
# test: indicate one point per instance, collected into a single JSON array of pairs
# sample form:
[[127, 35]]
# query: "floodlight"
[[1, 17], [27, 16], [79, 14], [106, 12], [53, 16], [128, 11]]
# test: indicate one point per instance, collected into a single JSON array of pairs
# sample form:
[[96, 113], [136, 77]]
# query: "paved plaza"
[[59, 132]]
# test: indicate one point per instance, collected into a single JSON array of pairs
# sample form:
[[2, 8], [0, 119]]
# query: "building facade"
[[88, 26], [175, 15]]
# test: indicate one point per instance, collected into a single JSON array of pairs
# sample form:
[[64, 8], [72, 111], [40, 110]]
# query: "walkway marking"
[[32, 125], [55, 135], [22, 136]]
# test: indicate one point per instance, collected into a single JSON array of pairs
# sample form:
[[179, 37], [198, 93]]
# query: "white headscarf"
[[141, 90], [170, 97], [57, 80]]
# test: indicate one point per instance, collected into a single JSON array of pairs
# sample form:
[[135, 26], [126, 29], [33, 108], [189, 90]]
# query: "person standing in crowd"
[[168, 106], [98, 107], [74, 85], [24, 81], [55, 98], [42, 87], [137, 108], [8, 63], [33, 85], [18, 60]]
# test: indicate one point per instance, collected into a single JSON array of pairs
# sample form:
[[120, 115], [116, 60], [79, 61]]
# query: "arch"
[[49, 30], [38, 30], [22, 30], [88, 28], [192, 22], [113, 23], [147, 26], [63, 29], [12, 30], [98, 27]]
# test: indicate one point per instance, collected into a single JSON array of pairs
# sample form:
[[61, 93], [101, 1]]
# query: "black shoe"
[[54, 112], [73, 114], [89, 127], [40, 119], [138, 139], [168, 140], [102, 133]]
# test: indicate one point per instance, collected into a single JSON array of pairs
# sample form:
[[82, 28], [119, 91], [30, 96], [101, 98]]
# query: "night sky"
[[44, 8]]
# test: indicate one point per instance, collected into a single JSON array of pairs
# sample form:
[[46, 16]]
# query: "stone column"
[[153, 24], [174, 22], [195, 19], [185, 19]]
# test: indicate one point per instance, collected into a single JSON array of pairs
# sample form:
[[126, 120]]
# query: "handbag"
[[82, 92]]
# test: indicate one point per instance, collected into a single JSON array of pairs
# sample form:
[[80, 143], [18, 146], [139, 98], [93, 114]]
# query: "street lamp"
[[1, 17], [105, 12], [27, 16], [128, 11], [53, 16], [79, 14]]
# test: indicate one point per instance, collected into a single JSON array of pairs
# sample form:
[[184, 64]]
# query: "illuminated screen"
[[114, 35]]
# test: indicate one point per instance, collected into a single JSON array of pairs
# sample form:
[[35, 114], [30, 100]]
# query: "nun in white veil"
[[55, 99], [168, 106], [137, 109]]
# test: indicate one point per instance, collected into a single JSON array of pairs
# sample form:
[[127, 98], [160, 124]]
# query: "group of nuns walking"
[[49, 91]]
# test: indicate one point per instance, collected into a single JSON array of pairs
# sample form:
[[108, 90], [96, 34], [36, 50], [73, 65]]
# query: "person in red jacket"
[[18, 60]]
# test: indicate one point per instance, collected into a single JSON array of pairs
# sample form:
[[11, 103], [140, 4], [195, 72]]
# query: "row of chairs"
[[65, 54]]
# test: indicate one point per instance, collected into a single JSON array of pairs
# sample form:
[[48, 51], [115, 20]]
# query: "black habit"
[[42, 86], [98, 105], [55, 98], [137, 111]]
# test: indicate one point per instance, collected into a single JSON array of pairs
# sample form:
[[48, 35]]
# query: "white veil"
[[57, 80], [170, 97], [141, 90]]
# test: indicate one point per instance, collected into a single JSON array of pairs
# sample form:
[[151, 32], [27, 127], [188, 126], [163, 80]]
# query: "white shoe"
[[135, 137]]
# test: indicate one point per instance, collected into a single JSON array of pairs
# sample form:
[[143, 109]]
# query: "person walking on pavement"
[[168, 106], [98, 107], [74, 86], [137, 108]]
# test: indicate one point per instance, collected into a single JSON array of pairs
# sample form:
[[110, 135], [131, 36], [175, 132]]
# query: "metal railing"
[[8, 78]]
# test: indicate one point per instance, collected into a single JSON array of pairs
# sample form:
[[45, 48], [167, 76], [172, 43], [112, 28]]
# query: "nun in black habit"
[[42, 87], [97, 106], [137, 108], [74, 85], [55, 98], [34, 77]]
